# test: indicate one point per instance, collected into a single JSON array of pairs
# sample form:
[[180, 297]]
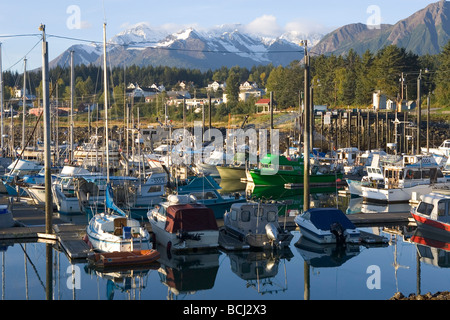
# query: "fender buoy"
[[169, 253]]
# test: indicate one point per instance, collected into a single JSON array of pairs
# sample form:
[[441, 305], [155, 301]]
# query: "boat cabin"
[[418, 169], [251, 217], [116, 225], [436, 206]]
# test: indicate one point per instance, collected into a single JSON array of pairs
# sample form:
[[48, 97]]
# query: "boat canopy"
[[323, 218], [190, 217]]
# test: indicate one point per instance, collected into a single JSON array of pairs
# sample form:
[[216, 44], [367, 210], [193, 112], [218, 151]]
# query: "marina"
[[123, 190], [230, 267]]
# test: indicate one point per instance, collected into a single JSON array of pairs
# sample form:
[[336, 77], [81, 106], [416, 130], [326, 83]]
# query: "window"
[[245, 216], [233, 215], [162, 211], [441, 208], [425, 208], [154, 189]]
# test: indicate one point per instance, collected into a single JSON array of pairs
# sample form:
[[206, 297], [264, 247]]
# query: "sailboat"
[[113, 231]]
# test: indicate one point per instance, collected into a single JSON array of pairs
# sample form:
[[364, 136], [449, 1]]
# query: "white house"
[[247, 86], [216, 85]]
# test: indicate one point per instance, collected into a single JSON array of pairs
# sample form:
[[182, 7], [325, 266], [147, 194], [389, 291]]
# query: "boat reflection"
[[325, 255], [185, 274], [130, 282], [432, 248], [292, 198], [357, 205], [260, 269]]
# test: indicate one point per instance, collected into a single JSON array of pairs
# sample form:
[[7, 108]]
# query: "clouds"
[[265, 25], [268, 26]]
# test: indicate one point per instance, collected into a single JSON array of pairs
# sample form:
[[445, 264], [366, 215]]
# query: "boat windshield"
[[425, 208]]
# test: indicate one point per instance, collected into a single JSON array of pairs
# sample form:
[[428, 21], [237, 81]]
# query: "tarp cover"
[[323, 218], [190, 217]]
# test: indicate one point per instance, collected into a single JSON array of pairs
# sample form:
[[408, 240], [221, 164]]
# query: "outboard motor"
[[338, 230], [271, 231]]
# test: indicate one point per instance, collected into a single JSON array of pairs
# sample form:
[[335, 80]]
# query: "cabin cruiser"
[[256, 224], [180, 223], [417, 174], [433, 213]]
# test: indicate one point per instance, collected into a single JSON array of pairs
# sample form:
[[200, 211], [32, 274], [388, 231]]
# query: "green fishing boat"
[[277, 170]]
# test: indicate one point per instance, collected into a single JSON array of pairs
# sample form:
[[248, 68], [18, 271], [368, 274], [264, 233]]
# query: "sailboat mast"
[[24, 98], [105, 73]]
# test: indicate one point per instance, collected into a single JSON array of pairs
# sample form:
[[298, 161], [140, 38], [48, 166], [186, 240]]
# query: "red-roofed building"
[[264, 104]]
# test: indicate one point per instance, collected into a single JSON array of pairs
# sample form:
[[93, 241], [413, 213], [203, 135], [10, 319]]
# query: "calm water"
[[305, 271]]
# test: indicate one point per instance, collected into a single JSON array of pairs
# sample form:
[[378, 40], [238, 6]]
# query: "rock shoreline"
[[444, 295]]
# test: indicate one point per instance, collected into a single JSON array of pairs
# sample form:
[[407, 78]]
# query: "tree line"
[[337, 81]]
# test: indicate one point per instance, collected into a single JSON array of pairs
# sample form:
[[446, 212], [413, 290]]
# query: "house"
[[216, 86], [379, 101], [137, 91], [264, 104], [247, 86], [160, 88]]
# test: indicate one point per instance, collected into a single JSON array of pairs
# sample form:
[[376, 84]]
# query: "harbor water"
[[304, 271]]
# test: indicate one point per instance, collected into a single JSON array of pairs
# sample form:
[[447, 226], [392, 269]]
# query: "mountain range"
[[424, 32]]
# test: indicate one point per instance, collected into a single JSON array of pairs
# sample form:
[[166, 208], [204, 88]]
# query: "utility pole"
[[1, 100], [46, 111], [428, 122], [72, 93], [419, 111], [306, 196]]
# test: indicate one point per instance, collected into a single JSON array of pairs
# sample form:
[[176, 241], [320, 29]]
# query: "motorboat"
[[180, 223], [433, 213], [17, 170], [443, 149], [114, 231], [327, 225], [417, 174], [374, 175], [65, 186], [206, 191], [256, 224], [278, 170]]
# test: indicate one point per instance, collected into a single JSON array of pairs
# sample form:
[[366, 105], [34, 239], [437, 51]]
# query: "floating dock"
[[69, 233]]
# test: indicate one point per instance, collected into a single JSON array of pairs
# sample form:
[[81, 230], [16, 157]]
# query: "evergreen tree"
[[443, 77]]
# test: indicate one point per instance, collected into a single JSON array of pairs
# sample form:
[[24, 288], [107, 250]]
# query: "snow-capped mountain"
[[226, 45]]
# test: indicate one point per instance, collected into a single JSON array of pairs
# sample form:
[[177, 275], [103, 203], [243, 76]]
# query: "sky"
[[83, 19]]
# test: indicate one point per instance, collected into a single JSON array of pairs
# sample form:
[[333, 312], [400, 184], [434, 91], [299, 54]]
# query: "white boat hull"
[[395, 195], [105, 241], [354, 187], [308, 230]]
